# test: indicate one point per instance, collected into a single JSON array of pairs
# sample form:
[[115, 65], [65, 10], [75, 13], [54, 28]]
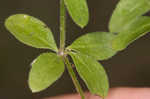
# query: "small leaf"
[[138, 28], [97, 44], [46, 69], [126, 11], [78, 10], [30, 31], [92, 73]]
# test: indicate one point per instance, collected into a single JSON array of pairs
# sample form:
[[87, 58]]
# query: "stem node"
[[62, 51]]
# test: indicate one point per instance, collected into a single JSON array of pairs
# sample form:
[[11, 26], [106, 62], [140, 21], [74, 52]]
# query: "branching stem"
[[62, 48]]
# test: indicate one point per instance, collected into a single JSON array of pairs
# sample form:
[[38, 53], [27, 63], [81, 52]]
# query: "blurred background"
[[130, 67]]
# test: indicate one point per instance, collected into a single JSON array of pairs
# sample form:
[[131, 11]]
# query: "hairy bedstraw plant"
[[126, 25]]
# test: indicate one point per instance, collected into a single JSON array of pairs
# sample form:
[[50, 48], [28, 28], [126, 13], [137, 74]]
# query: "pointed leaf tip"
[[78, 10], [30, 31], [46, 69], [97, 44], [135, 30], [126, 12], [92, 73]]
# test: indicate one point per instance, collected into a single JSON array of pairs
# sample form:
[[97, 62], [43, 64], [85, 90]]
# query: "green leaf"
[[30, 31], [46, 69], [138, 28], [126, 12], [97, 44], [92, 73], [78, 10]]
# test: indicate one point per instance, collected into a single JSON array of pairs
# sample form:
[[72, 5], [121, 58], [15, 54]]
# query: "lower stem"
[[74, 78]]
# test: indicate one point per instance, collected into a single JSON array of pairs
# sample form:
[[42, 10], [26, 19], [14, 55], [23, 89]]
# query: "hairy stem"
[[62, 25], [74, 78]]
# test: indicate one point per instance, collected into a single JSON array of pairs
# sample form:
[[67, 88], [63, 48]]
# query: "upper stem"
[[62, 25]]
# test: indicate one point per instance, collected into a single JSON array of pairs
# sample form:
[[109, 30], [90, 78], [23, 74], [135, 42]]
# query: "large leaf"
[[92, 73], [30, 31], [78, 10], [46, 69], [98, 45], [125, 12], [138, 28]]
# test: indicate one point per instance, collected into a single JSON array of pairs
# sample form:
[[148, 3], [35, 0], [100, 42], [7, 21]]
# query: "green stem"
[[62, 25], [74, 78], [62, 46]]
